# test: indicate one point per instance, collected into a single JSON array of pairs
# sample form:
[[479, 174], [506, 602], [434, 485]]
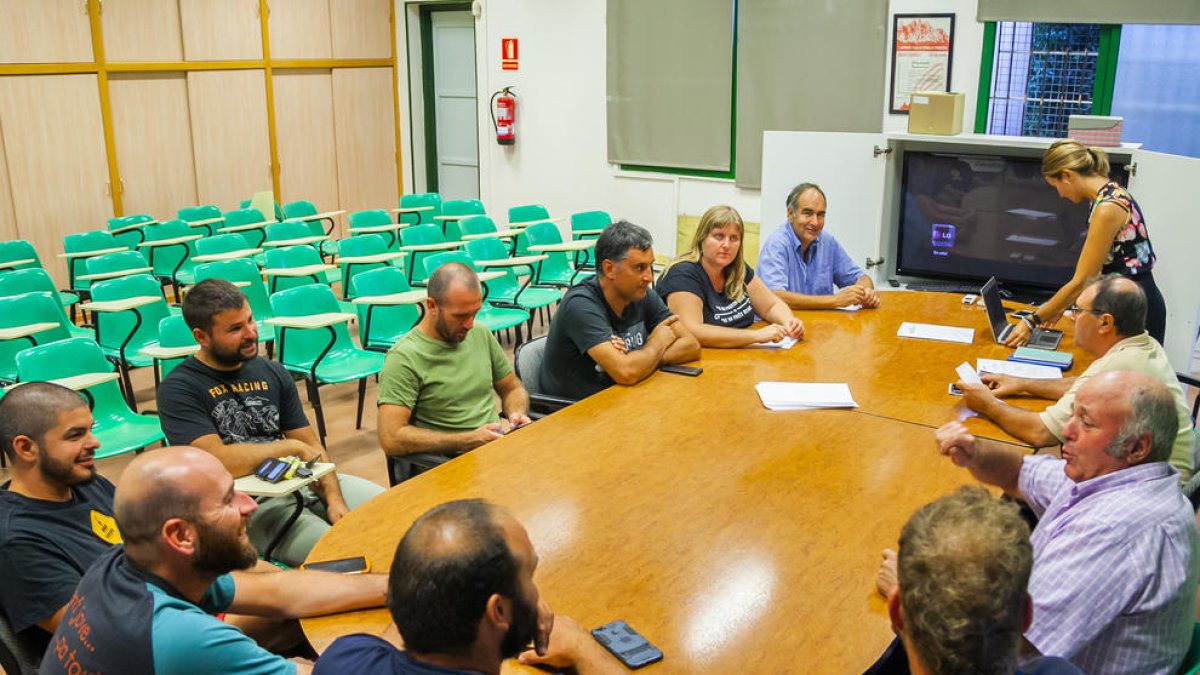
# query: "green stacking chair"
[[123, 335], [420, 199], [362, 246], [129, 231], [1191, 661], [36, 280], [118, 428], [375, 218], [82, 243], [28, 309], [19, 249], [301, 210], [422, 235], [587, 225], [191, 214], [379, 326], [509, 290], [244, 218], [293, 230], [228, 243], [477, 225], [496, 318], [527, 213], [459, 207], [116, 262], [324, 355], [246, 274], [173, 331], [172, 262], [288, 257], [558, 268]]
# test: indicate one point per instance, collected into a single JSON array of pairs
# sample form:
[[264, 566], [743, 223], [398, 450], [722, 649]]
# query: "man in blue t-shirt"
[[803, 263], [147, 607], [608, 328], [462, 595]]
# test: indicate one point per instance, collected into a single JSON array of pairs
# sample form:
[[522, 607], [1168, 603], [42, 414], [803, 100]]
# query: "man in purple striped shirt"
[[1115, 549]]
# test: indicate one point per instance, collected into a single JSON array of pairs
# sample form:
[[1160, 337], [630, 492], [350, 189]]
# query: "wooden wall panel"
[[361, 29], [229, 135], [219, 30], [366, 138], [8, 220], [44, 31], [141, 30], [300, 29], [304, 137], [54, 141], [152, 131]]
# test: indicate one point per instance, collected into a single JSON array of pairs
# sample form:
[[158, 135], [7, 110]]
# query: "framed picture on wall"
[[922, 46]]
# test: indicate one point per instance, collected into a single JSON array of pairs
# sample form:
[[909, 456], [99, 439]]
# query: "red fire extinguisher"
[[504, 116]]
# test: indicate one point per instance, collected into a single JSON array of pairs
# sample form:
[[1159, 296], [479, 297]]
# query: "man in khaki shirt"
[[1110, 322]]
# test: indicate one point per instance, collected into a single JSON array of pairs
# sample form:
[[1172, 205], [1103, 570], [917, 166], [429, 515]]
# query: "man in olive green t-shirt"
[[436, 388]]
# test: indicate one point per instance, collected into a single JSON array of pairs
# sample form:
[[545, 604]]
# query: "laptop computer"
[[1042, 338]]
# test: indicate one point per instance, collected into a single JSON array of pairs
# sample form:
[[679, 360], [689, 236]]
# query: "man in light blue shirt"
[[801, 263]]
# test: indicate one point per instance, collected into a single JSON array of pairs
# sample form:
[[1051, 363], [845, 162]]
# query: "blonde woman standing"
[[1117, 240], [716, 294]]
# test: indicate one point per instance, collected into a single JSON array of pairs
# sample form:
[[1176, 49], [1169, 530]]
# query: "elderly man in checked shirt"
[[1115, 548]]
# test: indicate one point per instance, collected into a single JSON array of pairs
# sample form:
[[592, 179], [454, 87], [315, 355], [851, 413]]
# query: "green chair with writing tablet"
[[29, 310], [380, 326], [36, 280], [243, 273], [323, 355], [116, 426]]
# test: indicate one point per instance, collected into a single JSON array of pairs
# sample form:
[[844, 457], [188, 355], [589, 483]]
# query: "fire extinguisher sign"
[[508, 53]]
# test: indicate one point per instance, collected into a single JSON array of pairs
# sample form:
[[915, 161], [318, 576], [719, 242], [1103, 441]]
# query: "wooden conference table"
[[734, 538]]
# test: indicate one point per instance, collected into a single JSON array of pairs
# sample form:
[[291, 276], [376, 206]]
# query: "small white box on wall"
[[1095, 130]]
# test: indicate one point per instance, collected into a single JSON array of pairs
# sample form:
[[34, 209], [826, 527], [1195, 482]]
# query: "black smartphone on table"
[[627, 644]]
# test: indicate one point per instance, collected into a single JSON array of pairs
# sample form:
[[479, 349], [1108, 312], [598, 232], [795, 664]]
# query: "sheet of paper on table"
[[929, 331], [1030, 371], [785, 343], [804, 395], [850, 308], [967, 374]]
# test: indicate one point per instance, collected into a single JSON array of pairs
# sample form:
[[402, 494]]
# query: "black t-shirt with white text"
[[719, 310], [584, 320], [256, 403]]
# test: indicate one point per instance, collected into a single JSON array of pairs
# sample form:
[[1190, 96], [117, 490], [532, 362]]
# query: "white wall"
[[560, 157]]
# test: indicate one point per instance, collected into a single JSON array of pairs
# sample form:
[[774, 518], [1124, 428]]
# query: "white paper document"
[[929, 331], [967, 374], [850, 308], [1031, 371], [804, 395], [785, 343]]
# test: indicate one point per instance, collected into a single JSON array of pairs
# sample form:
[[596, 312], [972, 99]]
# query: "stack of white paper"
[[929, 331], [804, 395], [1031, 371]]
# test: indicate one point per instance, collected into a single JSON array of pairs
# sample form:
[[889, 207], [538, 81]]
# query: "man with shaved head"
[[55, 513], [1110, 322], [147, 607], [1114, 550], [462, 595], [438, 386]]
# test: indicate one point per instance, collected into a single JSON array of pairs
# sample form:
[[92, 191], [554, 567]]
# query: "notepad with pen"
[[1042, 357]]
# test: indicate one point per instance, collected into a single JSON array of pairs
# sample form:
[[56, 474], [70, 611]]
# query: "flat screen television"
[[968, 217]]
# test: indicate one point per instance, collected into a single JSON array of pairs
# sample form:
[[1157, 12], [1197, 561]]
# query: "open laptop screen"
[[994, 307]]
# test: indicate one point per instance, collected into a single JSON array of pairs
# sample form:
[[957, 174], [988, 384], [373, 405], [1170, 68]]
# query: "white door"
[[850, 174], [454, 104], [1159, 184]]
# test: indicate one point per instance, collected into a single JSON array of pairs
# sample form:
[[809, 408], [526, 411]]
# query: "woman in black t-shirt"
[[716, 294]]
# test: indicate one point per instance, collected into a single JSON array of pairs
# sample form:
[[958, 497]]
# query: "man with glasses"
[[1110, 322]]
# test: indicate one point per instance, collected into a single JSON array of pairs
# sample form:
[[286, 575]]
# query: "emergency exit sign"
[[508, 53]]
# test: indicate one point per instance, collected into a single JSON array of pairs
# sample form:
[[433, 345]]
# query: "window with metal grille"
[[1042, 73]]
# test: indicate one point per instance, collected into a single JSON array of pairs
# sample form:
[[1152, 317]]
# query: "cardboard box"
[[1095, 130], [935, 112]]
